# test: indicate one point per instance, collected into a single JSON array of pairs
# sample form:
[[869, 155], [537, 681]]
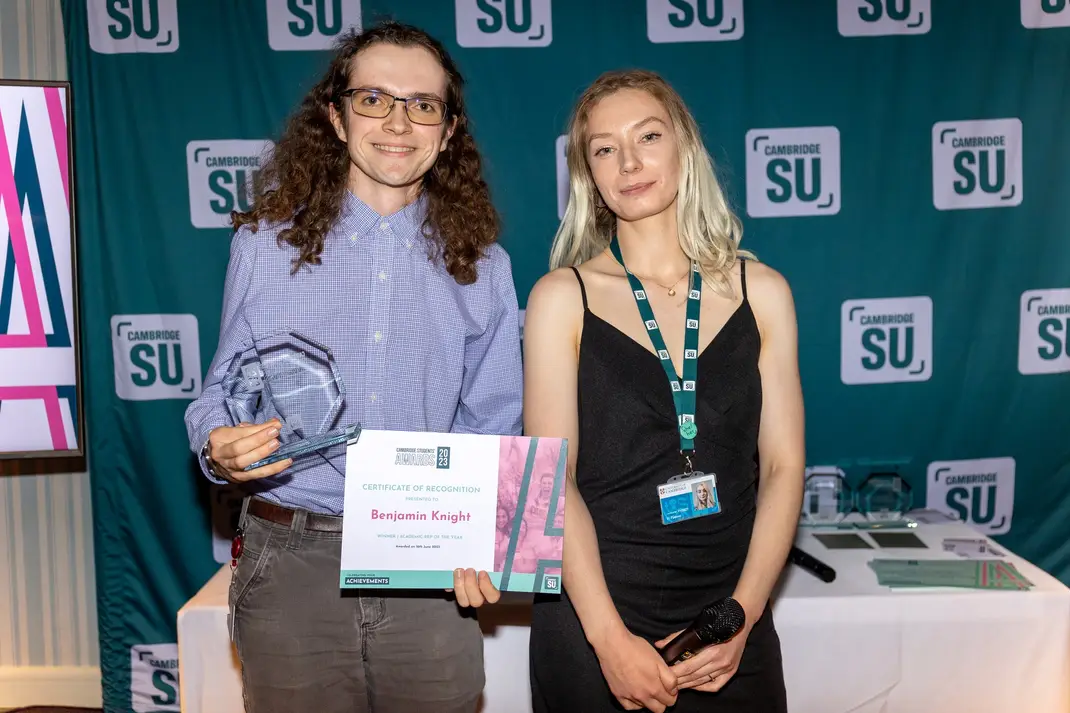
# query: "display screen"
[[40, 380]]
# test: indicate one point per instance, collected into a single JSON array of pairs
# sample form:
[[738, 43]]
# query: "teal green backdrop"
[[902, 163]]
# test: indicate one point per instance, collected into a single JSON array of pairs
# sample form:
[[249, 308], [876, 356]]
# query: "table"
[[849, 646]]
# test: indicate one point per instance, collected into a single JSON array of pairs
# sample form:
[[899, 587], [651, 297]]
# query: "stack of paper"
[[970, 574]]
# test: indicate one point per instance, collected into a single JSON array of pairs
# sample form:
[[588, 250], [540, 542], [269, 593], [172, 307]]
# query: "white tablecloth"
[[849, 646]]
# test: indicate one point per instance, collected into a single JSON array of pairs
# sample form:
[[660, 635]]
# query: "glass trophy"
[[827, 499], [884, 498], [289, 376]]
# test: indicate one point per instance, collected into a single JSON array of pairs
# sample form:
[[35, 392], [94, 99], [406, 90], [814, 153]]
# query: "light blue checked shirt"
[[416, 351]]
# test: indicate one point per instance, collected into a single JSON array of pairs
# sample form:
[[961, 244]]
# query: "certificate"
[[420, 505]]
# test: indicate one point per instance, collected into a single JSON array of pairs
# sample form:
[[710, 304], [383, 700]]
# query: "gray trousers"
[[306, 646]]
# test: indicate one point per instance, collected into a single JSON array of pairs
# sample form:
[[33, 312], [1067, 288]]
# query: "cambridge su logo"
[[504, 23], [222, 175], [694, 20], [125, 26], [309, 24], [1042, 14], [793, 172], [156, 356], [154, 678], [1044, 332], [979, 492], [977, 164], [886, 340], [871, 18]]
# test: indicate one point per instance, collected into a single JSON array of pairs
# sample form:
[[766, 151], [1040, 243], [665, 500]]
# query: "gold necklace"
[[672, 289]]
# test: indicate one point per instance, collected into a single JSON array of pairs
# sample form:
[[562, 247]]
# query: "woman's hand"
[[636, 675], [712, 667]]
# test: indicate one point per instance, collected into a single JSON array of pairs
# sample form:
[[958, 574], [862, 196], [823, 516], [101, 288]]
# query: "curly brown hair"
[[306, 175]]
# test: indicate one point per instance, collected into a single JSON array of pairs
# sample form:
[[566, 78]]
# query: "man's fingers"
[[471, 585], [247, 429], [264, 471], [250, 441], [458, 588], [243, 461], [487, 589]]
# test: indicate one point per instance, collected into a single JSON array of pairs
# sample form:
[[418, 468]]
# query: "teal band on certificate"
[[538, 582], [529, 466], [683, 390], [559, 484]]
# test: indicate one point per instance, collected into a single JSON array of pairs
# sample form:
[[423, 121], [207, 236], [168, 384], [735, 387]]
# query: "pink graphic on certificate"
[[529, 530]]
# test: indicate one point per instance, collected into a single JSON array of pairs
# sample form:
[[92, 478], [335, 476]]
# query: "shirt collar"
[[359, 221]]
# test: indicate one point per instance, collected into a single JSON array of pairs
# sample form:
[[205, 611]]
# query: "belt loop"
[[297, 528], [244, 511]]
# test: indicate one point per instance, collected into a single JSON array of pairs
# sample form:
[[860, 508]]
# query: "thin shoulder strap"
[[583, 290], [743, 276]]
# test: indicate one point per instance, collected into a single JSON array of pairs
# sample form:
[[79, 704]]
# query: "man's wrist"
[[210, 465]]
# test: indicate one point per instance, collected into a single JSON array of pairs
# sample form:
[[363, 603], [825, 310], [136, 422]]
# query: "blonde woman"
[[649, 288]]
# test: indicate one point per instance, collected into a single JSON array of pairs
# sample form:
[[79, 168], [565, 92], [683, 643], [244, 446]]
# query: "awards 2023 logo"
[[438, 458]]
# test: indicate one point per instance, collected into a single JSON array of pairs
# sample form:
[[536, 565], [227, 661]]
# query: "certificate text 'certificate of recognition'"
[[420, 505]]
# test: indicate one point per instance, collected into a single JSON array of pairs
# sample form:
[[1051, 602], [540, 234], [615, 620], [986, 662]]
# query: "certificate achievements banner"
[[420, 505]]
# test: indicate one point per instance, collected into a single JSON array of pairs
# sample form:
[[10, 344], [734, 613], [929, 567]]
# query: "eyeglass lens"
[[378, 104]]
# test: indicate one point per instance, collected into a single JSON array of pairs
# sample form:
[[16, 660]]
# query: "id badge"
[[686, 497]]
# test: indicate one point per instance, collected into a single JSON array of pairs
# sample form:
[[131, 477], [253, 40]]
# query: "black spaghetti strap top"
[[660, 576]]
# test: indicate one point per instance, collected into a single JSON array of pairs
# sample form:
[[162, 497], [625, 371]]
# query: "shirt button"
[[384, 225], [378, 336], [382, 276], [372, 397], [408, 243]]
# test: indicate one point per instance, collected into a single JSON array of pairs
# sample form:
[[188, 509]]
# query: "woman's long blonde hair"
[[709, 231]]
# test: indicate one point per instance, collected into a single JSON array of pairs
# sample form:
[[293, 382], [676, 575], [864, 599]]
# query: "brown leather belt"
[[284, 516]]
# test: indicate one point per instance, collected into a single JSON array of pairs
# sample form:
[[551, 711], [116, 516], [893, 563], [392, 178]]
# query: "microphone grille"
[[721, 621]]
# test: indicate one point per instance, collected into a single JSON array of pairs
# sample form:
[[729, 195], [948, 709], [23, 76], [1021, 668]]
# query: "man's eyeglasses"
[[377, 105]]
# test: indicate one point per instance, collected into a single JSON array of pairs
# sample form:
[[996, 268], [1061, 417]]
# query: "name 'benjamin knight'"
[[435, 516]]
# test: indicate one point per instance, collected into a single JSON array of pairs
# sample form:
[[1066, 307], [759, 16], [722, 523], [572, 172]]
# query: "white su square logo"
[[977, 164], [156, 356], [129, 26], [979, 492], [504, 23], [793, 172], [872, 18], [1044, 332], [694, 20], [309, 24], [222, 176], [886, 340], [1044, 14], [154, 678]]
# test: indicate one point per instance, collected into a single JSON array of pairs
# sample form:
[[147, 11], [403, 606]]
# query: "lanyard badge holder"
[[692, 493]]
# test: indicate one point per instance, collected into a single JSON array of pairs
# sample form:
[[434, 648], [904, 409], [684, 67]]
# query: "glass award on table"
[[295, 379], [827, 499], [884, 499]]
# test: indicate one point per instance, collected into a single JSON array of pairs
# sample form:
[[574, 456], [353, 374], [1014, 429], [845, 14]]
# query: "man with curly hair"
[[374, 235]]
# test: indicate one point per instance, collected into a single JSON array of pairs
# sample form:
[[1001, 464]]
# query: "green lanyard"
[[683, 394]]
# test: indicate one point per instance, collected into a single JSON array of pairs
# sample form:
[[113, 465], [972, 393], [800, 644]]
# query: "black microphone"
[[811, 564], [716, 624]]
